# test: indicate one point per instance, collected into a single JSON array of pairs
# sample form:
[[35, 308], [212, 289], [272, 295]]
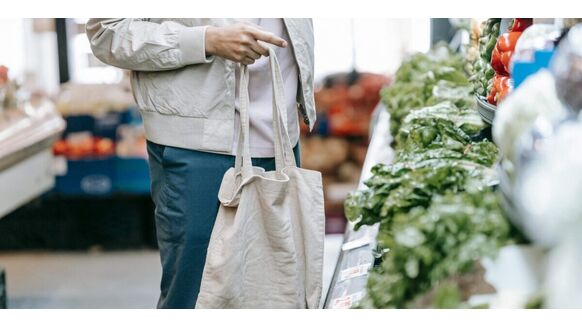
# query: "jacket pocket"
[[168, 93]]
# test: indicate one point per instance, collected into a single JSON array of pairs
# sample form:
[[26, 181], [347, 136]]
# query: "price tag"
[[355, 271], [356, 243], [348, 301]]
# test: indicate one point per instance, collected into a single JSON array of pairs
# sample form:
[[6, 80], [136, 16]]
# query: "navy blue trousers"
[[185, 186]]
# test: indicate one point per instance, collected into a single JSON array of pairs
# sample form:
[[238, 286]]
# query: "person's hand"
[[240, 42]]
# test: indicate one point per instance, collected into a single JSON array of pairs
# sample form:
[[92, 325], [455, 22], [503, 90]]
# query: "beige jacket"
[[186, 98]]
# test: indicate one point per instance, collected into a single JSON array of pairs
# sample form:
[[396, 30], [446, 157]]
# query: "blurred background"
[[76, 217]]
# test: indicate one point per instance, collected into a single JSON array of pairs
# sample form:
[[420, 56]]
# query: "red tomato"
[[60, 147]]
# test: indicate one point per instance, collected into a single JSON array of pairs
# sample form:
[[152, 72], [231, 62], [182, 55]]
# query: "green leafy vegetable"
[[425, 79], [428, 245], [400, 187], [436, 212]]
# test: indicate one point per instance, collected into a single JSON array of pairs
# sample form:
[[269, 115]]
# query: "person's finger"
[[248, 61], [269, 38], [252, 54], [260, 49]]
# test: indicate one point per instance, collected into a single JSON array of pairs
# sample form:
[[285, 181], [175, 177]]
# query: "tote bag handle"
[[283, 149]]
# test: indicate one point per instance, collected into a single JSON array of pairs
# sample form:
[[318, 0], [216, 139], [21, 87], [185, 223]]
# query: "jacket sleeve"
[[140, 45]]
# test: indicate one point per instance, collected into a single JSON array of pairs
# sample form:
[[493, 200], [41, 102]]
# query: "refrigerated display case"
[[26, 159]]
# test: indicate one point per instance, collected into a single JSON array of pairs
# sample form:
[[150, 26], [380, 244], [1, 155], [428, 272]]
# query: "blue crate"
[[132, 175], [87, 177]]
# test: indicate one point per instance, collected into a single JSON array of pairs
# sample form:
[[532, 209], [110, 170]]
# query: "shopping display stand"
[[348, 284]]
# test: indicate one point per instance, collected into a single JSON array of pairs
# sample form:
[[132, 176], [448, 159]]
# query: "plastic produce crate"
[[89, 177], [3, 297], [132, 175]]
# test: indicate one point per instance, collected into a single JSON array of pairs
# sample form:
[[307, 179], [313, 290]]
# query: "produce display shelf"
[[517, 270], [348, 284]]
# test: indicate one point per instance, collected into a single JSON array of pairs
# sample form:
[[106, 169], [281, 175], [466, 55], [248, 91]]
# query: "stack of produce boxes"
[[103, 155], [437, 211]]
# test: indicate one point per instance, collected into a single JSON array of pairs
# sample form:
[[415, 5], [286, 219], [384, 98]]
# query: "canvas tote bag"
[[266, 247]]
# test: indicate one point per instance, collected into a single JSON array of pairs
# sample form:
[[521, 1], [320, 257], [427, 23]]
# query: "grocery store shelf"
[[348, 284]]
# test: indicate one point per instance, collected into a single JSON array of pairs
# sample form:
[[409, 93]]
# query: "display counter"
[[26, 160]]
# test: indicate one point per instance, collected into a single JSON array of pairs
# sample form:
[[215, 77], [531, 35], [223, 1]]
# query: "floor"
[[123, 280]]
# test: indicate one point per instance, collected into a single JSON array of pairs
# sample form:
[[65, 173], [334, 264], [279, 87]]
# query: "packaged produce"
[[536, 37], [567, 68], [549, 186], [536, 97]]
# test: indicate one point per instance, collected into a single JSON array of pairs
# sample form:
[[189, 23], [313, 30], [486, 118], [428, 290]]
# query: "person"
[[184, 76]]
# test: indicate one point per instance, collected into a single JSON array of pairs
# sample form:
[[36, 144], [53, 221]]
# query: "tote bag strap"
[[283, 150], [243, 154]]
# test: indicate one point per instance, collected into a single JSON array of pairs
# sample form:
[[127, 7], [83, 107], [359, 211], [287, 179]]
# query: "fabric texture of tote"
[[266, 248]]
